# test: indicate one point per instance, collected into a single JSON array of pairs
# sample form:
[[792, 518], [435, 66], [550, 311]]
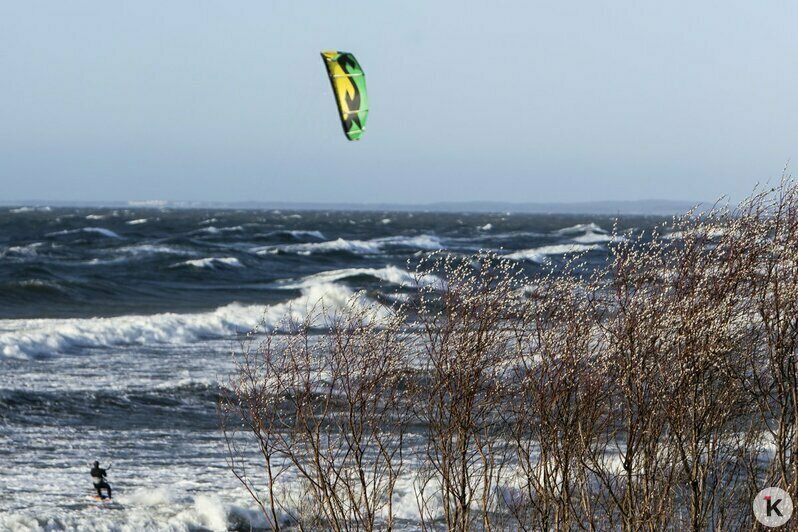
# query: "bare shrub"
[[461, 391], [556, 407], [328, 407], [657, 393]]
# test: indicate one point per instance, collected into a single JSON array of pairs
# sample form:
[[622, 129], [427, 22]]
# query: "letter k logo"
[[772, 506]]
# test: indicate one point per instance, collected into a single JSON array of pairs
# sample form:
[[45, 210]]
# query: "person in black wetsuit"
[[98, 475]]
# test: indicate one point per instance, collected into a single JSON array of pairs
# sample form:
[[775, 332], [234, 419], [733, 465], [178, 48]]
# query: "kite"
[[349, 85]]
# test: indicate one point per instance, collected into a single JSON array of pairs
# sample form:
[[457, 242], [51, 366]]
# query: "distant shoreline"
[[652, 207]]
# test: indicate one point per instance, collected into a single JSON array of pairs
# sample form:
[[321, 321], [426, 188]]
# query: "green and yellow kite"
[[349, 85]]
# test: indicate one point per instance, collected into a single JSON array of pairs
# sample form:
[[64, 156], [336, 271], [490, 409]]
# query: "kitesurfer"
[[98, 475]]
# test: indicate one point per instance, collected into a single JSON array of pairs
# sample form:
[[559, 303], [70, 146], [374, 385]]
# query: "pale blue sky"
[[517, 101]]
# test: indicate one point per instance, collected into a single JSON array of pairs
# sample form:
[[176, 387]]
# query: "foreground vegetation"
[[656, 393]]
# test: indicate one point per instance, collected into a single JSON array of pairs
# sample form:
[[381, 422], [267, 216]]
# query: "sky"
[[521, 101]]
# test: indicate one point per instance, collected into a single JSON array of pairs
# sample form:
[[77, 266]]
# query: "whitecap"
[[539, 254], [211, 230], [351, 246], [99, 230], [426, 242], [211, 262], [594, 238], [390, 274], [152, 249], [298, 234], [47, 337], [27, 250], [580, 228], [20, 210]]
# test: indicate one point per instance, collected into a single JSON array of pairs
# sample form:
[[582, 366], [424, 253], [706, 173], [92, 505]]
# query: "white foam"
[[151, 249], [211, 230], [539, 254], [594, 238], [96, 217], [486, 227], [149, 496], [314, 234], [46, 337], [298, 233], [30, 209], [580, 228], [41, 283], [28, 249], [211, 262], [352, 246], [426, 242], [211, 512], [360, 247], [390, 274], [137, 222], [711, 232], [99, 230], [591, 233]]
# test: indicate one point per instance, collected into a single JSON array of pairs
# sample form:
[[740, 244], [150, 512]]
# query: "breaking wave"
[[212, 262], [358, 247], [45, 337], [579, 228], [98, 230], [390, 274], [540, 254]]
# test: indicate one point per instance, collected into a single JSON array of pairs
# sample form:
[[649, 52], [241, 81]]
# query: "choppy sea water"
[[116, 329]]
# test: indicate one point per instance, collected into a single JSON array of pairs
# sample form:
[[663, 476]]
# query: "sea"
[[118, 329]]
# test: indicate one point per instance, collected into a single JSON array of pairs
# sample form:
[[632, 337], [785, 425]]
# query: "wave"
[[595, 238], [390, 274], [96, 216], [300, 234], [152, 249], [32, 288], [38, 338], [591, 233], [211, 230], [539, 254], [26, 250], [580, 228], [98, 230], [137, 221], [211, 262], [426, 242], [358, 247], [20, 210], [296, 234], [145, 509]]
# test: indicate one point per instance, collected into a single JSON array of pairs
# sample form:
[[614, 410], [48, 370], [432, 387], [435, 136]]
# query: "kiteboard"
[[103, 501]]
